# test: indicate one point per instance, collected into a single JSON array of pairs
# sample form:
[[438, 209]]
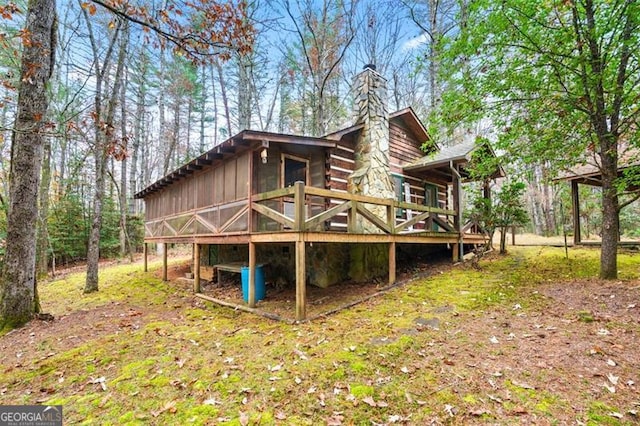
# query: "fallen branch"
[[244, 308]]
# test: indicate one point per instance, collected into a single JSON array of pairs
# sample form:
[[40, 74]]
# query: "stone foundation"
[[326, 263], [368, 261]]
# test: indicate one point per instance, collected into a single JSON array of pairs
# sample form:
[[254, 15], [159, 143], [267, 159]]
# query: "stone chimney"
[[372, 175]]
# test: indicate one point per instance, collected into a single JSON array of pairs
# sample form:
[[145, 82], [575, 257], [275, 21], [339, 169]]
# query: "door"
[[294, 169]]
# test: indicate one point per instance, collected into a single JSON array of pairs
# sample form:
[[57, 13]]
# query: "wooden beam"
[[277, 193], [457, 219], [272, 214], [421, 208], [455, 252], [420, 237], [352, 218], [299, 206], [244, 308], [444, 225], [392, 262], [301, 284], [372, 218], [327, 214], [575, 204], [412, 221], [165, 275], [196, 268], [214, 156], [145, 250], [319, 192], [298, 140], [391, 219], [252, 275]]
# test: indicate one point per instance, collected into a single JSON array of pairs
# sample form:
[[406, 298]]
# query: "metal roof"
[[457, 152]]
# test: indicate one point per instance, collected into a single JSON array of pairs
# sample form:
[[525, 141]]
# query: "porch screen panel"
[[242, 177], [206, 188], [218, 184], [230, 180]]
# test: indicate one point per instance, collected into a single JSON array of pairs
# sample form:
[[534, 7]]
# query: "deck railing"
[[361, 212], [302, 208]]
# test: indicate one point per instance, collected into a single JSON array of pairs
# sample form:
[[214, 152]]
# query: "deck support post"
[[299, 206], [575, 205], [457, 219], [455, 252], [196, 268], [392, 262], [165, 275], [352, 218], [252, 275], [145, 251], [301, 289]]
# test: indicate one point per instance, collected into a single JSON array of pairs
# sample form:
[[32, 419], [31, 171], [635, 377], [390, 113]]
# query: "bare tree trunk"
[[225, 100], [203, 108], [162, 131], [188, 153], [125, 243], [547, 203], [610, 212], [138, 127], [215, 106], [104, 131], [244, 92], [17, 277], [43, 214], [503, 240]]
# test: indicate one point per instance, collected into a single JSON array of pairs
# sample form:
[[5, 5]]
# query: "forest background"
[[165, 108]]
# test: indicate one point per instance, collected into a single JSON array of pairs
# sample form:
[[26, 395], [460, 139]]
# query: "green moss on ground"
[[190, 362]]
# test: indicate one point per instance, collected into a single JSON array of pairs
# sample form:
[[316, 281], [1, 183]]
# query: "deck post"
[[252, 275], [299, 206], [391, 217], [196, 268], [392, 262], [145, 251], [301, 289], [457, 219], [352, 218], [165, 275], [455, 252], [575, 204]]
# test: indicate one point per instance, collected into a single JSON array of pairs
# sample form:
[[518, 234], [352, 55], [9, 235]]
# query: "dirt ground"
[[581, 340], [280, 302]]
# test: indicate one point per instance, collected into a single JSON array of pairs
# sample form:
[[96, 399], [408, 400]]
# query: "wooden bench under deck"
[[235, 267]]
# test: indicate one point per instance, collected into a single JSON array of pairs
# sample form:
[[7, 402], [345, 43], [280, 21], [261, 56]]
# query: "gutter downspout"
[[459, 212]]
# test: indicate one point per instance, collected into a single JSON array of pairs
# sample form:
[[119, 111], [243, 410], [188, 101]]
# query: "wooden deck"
[[309, 214], [302, 214]]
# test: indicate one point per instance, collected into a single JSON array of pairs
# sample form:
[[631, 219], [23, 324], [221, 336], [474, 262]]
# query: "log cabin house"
[[316, 210]]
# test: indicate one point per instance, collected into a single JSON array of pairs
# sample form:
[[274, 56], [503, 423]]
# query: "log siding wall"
[[214, 200]]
